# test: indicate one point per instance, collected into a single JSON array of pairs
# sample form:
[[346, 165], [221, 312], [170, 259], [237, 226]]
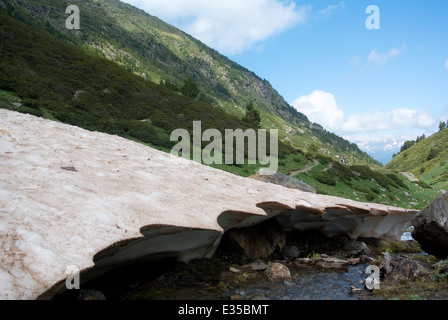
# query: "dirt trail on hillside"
[[309, 168]]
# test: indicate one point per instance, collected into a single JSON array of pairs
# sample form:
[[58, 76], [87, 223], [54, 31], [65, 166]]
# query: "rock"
[[91, 295], [78, 93], [385, 265], [354, 261], [330, 263], [118, 210], [300, 261], [441, 266], [282, 180], [278, 272], [257, 265], [400, 267], [260, 241], [169, 280], [366, 259], [443, 269], [290, 130], [431, 227], [236, 297], [355, 289], [69, 169], [378, 246], [356, 248], [291, 252], [411, 177], [234, 270]]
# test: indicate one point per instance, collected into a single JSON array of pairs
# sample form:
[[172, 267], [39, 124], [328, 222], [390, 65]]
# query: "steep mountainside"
[[158, 52], [47, 77], [428, 160]]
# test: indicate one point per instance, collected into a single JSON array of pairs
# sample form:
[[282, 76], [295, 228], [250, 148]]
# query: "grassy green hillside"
[[46, 77], [148, 47], [428, 160]]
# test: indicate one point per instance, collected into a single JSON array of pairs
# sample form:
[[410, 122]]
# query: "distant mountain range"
[[381, 149]]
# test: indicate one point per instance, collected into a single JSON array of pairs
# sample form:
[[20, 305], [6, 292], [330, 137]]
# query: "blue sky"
[[376, 88]]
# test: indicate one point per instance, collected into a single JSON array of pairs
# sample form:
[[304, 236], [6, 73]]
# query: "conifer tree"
[[190, 88], [252, 116]]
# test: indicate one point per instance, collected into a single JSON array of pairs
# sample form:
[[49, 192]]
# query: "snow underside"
[[185, 244]]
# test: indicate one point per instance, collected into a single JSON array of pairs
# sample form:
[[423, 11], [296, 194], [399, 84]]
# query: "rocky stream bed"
[[309, 266]]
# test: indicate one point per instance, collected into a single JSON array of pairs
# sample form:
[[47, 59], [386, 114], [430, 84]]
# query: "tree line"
[[407, 144]]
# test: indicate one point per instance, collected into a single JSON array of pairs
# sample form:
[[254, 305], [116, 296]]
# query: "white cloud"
[[388, 120], [376, 58], [330, 10], [380, 133], [320, 107], [382, 58], [393, 145], [230, 26]]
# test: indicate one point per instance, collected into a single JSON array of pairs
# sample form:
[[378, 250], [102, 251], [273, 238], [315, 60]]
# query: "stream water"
[[310, 284]]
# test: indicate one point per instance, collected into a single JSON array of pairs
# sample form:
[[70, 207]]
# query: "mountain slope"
[[146, 45], [427, 159], [49, 78], [156, 51]]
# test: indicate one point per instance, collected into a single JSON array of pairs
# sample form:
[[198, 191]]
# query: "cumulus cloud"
[[380, 133], [230, 26], [388, 120], [320, 107]]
